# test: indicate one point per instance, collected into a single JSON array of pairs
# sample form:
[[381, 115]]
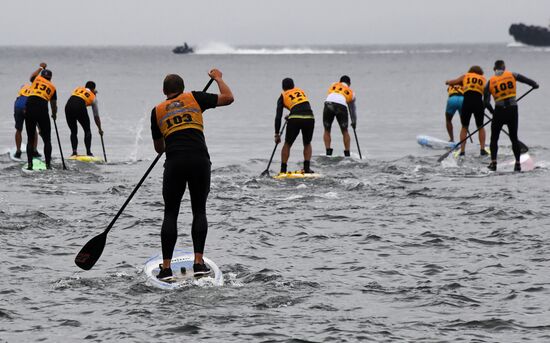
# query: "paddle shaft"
[[103, 146], [482, 126], [274, 149], [357, 142], [59, 143]]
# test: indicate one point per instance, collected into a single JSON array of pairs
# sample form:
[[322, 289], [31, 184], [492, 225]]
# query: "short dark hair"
[[90, 85], [345, 79], [288, 83], [499, 64], [476, 69], [46, 73], [173, 83]]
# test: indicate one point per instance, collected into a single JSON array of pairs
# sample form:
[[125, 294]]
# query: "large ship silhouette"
[[530, 34]]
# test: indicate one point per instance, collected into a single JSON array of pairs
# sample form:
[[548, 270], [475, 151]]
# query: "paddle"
[[103, 146], [59, 143], [357, 142], [266, 171], [91, 252], [444, 156], [522, 147]]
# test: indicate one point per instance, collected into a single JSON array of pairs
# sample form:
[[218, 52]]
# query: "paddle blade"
[[522, 147], [265, 173], [444, 156], [91, 252]]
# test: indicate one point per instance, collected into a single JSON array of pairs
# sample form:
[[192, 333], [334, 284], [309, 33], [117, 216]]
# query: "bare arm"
[[37, 71], [159, 145], [97, 120], [455, 82], [225, 97], [53, 105]]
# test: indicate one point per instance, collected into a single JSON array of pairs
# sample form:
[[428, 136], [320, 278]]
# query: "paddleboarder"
[[473, 83], [300, 119], [177, 129], [75, 111], [42, 91], [502, 86], [454, 104], [340, 98], [19, 109]]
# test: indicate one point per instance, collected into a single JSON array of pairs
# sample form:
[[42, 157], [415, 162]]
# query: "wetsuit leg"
[[173, 187], [30, 126], [45, 133], [512, 120], [292, 131], [199, 187], [496, 126], [84, 121], [342, 117], [71, 122], [466, 114], [328, 115], [307, 127]]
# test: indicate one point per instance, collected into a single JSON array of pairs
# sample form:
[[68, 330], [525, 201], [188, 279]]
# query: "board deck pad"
[[182, 268], [298, 174], [86, 158], [37, 165]]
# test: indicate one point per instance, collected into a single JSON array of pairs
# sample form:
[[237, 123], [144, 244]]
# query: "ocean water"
[[391, 247]]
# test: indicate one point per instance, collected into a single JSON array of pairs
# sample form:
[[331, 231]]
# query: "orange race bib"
[[342, 88], [180, 113], [293, 97], [42, 88], [473, 82], [85, 94], [503, 86]]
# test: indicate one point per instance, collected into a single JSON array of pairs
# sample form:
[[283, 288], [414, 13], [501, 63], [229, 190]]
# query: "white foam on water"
[[216, 48]]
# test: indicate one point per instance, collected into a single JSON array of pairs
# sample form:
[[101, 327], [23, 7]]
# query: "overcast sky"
[[281, 22]]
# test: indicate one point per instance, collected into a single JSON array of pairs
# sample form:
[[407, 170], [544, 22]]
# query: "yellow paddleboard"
[[298, 174], [86, 158]]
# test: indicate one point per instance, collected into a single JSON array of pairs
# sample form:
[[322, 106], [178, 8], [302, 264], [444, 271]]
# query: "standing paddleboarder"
[[177, 129], [42, 91], [473, 84], [299, 119], [502, 86], [75, 111], [340, 97], [19, 109], [454, 103]]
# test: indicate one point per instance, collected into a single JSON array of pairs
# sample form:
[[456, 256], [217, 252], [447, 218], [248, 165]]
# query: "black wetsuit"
[[505, 113], [187, 164], [75, 111], [37, 114], [300, 118]]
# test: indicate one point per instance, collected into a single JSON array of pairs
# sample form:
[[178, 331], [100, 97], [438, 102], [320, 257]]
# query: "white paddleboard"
[[526, 161], [434, 143], [182, 268], [23, 157]]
